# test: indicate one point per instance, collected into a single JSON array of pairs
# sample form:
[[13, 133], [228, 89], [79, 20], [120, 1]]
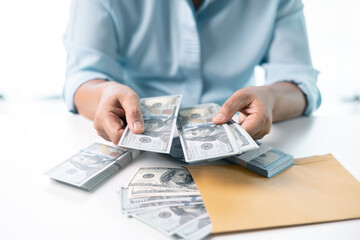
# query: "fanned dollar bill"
[[168, 200], [91, 166], [265, 160], [176, 178], [124, 193], [136, 192], [200, 138], [160, 114], [127, 206], [242, 138], [198, 229], [162, 181], [169, 219]]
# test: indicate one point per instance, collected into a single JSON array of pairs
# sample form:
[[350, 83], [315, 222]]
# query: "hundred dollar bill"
[[201, 226], [160, 114], [128, 207], [90, 167], [136, 192], [167, 199], [200, 138], [150, 206], [243, 139], [165, 177], [169, 219], [124, 193]]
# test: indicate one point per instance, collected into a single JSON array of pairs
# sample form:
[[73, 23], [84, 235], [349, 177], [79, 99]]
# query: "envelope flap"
[[311, 159]]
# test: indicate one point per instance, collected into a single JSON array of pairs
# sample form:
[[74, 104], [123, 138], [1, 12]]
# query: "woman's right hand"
[[111, 105]]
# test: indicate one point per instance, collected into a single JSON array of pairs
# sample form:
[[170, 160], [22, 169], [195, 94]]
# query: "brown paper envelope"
[[315, 189]]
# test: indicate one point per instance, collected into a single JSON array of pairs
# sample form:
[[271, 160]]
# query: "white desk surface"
[[34, 207]]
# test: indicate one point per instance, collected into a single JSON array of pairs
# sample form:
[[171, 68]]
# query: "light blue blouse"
[[165, 47]]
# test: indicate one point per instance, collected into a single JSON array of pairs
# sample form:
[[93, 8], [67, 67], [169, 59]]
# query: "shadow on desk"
[[285, 134]]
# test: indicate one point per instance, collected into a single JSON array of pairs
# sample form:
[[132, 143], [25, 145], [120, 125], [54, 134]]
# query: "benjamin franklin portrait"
[[155, 127], [176, 178], [188, 213], [88, 163]]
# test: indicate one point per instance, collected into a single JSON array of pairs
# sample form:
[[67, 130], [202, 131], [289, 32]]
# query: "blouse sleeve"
[[288, 57]]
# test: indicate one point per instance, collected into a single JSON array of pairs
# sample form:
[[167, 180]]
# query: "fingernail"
[[219, 117], [138, 125]]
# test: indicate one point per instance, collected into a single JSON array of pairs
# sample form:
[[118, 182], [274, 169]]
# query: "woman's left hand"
[[255, 105], [260, 106]]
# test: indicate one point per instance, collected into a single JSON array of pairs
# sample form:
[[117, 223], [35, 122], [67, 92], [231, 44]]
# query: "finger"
[[103, 134], [252, 125], [242, 117], [118, 111], [235, 103], [257, 125], [134, 118], [114, 127]]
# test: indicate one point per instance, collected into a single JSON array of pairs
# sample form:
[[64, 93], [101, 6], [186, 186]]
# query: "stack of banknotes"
[[265, 160], [160, 114], [168, 200], [241, 140], [92, 166], [199, 138]]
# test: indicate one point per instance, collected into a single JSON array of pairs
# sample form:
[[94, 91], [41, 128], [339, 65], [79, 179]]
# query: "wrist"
[[270, 99], [289, 100], [88, 96]]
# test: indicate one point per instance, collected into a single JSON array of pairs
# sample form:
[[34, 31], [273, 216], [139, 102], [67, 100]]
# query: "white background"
[[32, 57], [36, 133]]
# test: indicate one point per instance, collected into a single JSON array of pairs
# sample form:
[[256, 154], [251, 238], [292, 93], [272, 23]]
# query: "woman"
[[206, 50]]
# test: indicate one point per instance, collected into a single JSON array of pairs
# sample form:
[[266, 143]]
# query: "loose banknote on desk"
[[172, 203], [92, 166], [159, 115]]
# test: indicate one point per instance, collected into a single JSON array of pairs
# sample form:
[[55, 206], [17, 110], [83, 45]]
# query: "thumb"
[[235, 103], [134, 118]]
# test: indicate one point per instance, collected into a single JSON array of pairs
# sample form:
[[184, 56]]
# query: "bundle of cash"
[[265, 160], [92, 166], [200, 139], [159, 115], [168, 200]]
